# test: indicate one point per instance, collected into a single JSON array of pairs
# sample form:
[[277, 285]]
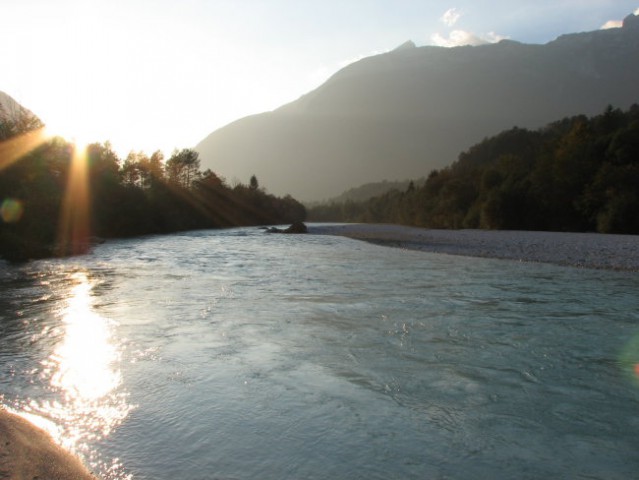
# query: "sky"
[[153, 75]]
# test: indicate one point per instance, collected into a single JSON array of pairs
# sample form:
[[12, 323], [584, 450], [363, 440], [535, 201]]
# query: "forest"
[[577, 174], [58, 199]]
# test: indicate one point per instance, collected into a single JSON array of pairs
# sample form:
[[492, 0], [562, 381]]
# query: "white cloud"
[[615, 23], [611, 24], [451, 16], [492, 37], [458, 38]]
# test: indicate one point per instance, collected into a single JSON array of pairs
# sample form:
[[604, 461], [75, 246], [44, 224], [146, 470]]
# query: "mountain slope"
[[405, 112], [11, 110], [14, 118]]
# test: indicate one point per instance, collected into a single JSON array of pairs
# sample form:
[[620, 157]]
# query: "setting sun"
[[71, 131], [163, 75], [319, 239]]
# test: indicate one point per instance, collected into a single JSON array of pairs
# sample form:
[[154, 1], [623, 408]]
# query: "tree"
[[154, 170], [576, 174], [141, 171], [253, 183], [131, 172], [210, 179], [183, 167], [17, 121]]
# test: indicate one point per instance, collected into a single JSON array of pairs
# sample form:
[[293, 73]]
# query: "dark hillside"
[[577, 174]]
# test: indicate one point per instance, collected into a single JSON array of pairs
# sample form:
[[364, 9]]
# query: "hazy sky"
[[160, 74]]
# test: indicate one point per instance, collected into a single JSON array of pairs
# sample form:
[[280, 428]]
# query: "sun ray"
[[74, 231], [15, 148]]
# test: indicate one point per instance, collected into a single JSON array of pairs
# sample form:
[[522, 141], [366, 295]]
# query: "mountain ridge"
[[10, 109], [405, 112]]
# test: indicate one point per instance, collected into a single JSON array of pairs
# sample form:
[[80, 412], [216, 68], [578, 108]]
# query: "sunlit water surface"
[[239, 355]]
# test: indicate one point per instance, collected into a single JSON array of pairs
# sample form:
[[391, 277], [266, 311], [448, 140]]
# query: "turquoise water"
[[239, 355]]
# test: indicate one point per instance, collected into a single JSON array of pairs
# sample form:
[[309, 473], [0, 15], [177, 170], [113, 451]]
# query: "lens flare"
[[629, 358], [17, 147], [73, 234], [11, 210]]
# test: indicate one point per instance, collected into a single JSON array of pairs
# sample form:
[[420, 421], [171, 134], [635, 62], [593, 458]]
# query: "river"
[[235, 354]]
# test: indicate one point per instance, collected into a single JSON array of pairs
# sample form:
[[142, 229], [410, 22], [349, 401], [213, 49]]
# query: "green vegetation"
[[54, 200], [369, 190], [577, 174]]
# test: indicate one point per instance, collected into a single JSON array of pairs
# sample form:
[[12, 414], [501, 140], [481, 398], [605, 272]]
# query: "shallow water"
[[239, 355]]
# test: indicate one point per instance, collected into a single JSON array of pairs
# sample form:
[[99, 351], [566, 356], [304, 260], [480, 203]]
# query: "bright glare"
[[141, 75], [85, 358], [84, 369], [160, 74], [71, 131]]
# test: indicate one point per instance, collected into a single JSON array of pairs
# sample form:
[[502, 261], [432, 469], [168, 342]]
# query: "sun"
[[86, 121], [72, 131]]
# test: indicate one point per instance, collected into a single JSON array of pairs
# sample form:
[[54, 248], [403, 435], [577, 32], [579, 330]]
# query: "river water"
[[240, 355]]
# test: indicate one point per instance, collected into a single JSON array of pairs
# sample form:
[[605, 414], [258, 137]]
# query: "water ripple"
[[233, 354]]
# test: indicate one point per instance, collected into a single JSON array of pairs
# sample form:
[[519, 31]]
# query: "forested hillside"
[[405, 112], [55, 198], [577, 174], [370, 190]]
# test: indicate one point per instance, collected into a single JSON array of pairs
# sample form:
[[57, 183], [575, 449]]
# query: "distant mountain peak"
[[631, 21], [405, 46], [404, 113]]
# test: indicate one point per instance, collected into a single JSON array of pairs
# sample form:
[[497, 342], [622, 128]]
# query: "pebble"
[[586, 250]]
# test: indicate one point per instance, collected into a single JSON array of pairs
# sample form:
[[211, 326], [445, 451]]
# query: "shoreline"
[[28, 452], [581, 250]]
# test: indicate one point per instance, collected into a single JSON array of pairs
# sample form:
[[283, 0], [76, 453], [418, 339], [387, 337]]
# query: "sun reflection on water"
[[84, 374], [84, 359]]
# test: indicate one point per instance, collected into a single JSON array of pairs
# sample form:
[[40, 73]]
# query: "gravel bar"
[[585, 250]]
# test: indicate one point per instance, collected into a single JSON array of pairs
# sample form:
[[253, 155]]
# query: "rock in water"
[[296, 227]]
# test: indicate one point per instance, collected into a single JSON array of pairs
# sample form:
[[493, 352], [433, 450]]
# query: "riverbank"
[[586, 250], [27, 452]]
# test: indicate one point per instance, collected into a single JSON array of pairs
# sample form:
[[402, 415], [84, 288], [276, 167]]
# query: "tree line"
[[136, 196], [576, 174]]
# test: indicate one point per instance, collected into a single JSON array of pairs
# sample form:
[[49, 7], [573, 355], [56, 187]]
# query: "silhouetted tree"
[[17, 122], [127, 198], [183, 167]]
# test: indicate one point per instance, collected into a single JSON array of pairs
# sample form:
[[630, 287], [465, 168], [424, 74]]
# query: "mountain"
[[367, 191], [403, 113], [15, 119], [12, 110]]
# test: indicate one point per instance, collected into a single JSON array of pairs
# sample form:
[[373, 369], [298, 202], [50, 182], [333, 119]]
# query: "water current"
[[240, 355]]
